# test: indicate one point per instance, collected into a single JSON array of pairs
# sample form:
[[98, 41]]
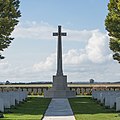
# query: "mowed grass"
[[33, 109], [85, 108]]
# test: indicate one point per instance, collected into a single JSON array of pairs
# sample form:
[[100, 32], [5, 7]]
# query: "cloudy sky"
[[86, 54]]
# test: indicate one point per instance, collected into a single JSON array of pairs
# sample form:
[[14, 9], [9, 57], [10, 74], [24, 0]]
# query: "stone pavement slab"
[[59, 109]]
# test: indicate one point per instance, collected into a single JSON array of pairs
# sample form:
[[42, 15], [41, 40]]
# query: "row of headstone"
[[83, 91], [11, 98], [33, 91], [110, 99], [40, 91]]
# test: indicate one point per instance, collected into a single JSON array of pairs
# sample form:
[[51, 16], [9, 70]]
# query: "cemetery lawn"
[[33, 109], [84, 108]]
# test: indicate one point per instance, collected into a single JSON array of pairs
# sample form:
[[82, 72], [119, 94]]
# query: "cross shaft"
[[59, 50]]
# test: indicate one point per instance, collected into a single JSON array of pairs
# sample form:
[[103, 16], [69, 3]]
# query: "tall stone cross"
[[59, 87], [59, 51]]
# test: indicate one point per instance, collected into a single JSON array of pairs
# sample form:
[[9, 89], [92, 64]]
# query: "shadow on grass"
[[86, 105], [33, 106]]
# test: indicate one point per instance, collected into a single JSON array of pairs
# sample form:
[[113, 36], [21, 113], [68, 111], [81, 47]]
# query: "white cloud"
[[75, 57], [4, 65], [33, 30], [80, 64], [46, 65], [43, 31], [79, 35], [97, 48], [96, 51], [88, 62]]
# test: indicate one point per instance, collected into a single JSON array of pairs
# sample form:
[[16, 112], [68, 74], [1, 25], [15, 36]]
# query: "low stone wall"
[[81, 89]]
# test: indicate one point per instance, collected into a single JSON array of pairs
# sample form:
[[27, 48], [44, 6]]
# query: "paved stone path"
[[59, 109]]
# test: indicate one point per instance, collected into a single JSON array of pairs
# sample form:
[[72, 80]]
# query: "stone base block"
[[60, 82], [59, 94], [59, 88]]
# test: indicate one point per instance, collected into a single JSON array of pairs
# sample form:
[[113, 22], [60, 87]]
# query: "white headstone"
[[113, 99], [78, 91], [118, 104], [34, 91], [102, 96], [29, 91], [17, 96], [12, 98], [6, 98], [82, 91], [39, 91], [107, 100], [1, 105], [88, 90]]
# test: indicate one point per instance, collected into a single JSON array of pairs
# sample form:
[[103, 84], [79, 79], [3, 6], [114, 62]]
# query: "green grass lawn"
[[33, 109], [85, 108]]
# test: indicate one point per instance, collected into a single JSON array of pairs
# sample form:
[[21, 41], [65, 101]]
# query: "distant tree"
[[91, 81], [112, 24], [9, 14], [7, 82]]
